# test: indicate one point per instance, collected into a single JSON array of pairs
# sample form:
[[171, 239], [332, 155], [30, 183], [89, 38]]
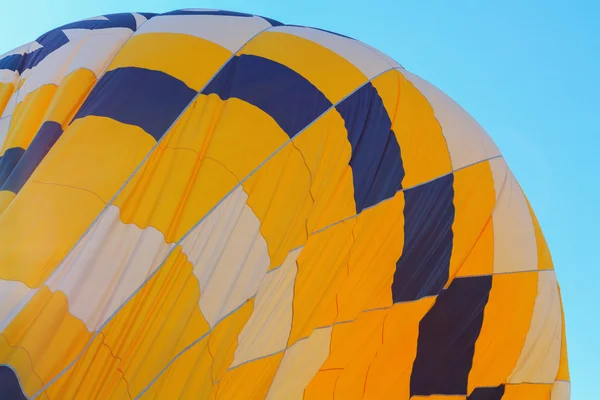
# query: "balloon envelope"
[[207, 204]]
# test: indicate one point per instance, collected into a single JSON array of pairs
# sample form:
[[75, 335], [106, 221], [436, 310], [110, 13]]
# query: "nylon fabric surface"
[[209, 204]]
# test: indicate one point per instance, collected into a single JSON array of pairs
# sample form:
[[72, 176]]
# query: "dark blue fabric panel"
[[376, 162], [11, 62], [447, 336], [51, 41], [121, 20], [388, 176], [209, 12], [9, 161], [149, 99], [493, 393], [9, 385], [423, 267], [148, 15], [271, 21], [55, 39], [291, 100], [48, 134]]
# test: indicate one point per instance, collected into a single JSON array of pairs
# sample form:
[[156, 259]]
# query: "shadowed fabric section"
[[9, 161], [376, 162], [291, 100], [222, 13], [9, 385], [149, 99], [50, 41], [148, 15], [423, 267], [447, 336], [48, 134], [487, 393], [119, 20], [209, 12], [11, 62], [55, 39]]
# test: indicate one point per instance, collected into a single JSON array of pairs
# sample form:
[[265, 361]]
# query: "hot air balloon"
[[206, 204]]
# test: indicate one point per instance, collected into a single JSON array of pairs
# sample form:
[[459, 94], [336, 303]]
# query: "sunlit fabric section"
[[209, 204]]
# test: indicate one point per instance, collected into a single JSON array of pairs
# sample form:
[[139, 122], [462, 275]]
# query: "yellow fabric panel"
[[326, 151], [299, 365], [96, 154], [322, 269], [563, 373], [20, 362], [390, 369], [378, 239], [527, 391], [69, 96], [425, 154], [353, 347], [323, 382], [27, 117], [211, 146], [244, 137], [332, 74], [474, 200], [480, 260], [189, 377], [190, 59], [222, 342], [504, 330], [388, 87], [40, 227], [156, 324], [98, 383], [544, 256], [251, 380], [194, 374], [6, 197], [6, 91], [48, 333], [279, 195]]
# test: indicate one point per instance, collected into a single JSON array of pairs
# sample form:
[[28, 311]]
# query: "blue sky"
[[528, 71]]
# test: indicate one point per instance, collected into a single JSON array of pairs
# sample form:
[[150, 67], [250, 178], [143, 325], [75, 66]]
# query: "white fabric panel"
[[97, 49], [499, 174], [8, 76], [26, 48], [78, 53], [98, 18], [268, 329], [229, 255], [467, 141], [53, 67], [371, 64], [107, 266], [4, 126], [515, 247], [390, 61], [14, 295], [561, 390], [229, 32], [139, 19], [540, 357], [299, 365]]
